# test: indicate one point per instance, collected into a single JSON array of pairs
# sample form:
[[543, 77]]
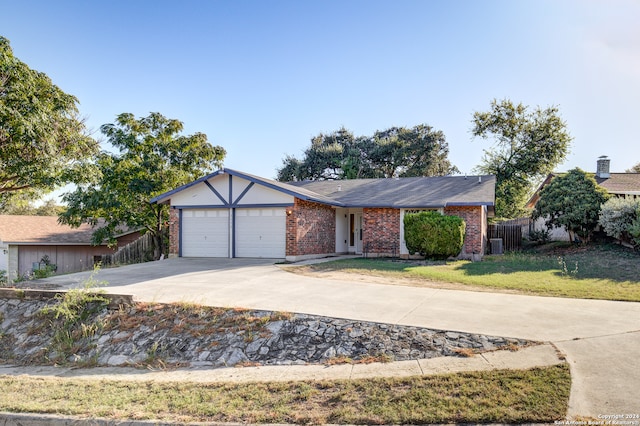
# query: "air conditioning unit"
[[496, 246]]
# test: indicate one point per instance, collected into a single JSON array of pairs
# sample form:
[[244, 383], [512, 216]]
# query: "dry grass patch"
[[188, 318], [539, 395]]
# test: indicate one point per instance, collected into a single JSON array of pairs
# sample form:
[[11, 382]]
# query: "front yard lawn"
[[539, 395], [599, 271]]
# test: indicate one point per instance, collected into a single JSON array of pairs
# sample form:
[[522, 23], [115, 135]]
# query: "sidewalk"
[[526, 358]]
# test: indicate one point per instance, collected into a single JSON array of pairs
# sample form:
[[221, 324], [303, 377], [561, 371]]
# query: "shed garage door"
[[205, 233], [261, 232]]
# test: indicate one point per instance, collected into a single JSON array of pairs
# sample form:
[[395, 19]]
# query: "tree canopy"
[[22, 204], [528, 145], [572, 201], [634, 169], [395, 152], [43, 142], [153, 158]]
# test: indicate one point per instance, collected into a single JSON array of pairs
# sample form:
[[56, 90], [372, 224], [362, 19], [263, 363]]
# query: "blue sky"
[[261, 78]]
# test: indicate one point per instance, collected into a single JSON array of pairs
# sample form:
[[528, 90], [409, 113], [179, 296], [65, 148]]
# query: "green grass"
[[607, 272], [502, 396]]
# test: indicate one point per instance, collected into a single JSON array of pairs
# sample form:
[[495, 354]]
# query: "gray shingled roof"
[[621, 183], [413, 192]]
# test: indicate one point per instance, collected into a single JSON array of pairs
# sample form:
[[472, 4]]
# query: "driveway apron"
[[601, 339]]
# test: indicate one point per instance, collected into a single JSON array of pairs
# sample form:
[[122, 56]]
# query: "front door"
[[355, 232]]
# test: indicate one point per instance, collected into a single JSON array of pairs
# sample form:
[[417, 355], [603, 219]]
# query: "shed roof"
[[42, 230]]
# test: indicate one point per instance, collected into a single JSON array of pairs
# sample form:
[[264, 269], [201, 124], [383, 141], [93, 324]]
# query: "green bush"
[[434, 235], [619, 218], [540, 236]]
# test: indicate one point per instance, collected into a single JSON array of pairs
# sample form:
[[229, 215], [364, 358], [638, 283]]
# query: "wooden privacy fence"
[[510, 233], [138, 251]]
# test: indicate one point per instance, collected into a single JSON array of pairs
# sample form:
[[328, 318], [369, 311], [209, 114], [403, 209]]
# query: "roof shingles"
[[42, 230], [415, 192], [438, 191], [621, 183]]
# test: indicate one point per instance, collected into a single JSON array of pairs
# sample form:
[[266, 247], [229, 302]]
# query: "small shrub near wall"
[[434, 235]]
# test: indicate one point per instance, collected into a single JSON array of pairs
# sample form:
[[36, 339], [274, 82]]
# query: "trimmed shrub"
[[434, 235]]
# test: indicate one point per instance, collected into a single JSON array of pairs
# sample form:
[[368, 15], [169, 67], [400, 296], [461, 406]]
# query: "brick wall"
[[174, 232], [381, 231], [311, 229], [475, 238]]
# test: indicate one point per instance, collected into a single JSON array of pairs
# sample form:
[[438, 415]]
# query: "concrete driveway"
[[600, 339]]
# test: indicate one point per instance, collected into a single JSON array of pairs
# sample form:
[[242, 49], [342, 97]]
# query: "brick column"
[[174, 232]]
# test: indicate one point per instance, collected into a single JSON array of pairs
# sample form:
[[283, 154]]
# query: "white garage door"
[[261, 232], [205, 233]]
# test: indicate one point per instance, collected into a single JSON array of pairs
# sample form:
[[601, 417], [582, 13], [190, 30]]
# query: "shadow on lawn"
[[596, 261]]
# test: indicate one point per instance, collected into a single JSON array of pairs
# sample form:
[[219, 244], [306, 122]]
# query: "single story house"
[[230, 213], [26, 240], [623, 185]]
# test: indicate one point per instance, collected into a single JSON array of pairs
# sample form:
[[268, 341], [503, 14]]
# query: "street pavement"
[[601, 339]]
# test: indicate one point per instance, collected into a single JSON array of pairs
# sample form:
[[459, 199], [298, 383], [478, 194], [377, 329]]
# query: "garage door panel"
[[261, 233], [205, 233]]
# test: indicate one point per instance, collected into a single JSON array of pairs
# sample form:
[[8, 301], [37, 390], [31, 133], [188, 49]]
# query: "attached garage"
[[229, 214], [205, 233], [261, 232]]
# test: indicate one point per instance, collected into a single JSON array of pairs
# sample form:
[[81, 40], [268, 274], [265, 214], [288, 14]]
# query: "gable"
[[226, 190]]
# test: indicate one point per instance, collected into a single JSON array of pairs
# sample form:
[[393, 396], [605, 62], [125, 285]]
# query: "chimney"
[[603, 167]]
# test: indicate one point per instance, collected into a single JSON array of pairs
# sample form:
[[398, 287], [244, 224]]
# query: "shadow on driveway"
[[142, 272]]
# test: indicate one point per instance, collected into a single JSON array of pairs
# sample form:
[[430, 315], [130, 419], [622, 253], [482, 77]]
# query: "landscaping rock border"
[[197, 336]]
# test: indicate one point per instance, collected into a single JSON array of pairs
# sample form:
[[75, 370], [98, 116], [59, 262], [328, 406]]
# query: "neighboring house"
[[25, 240], [234, 214], [623, 185]]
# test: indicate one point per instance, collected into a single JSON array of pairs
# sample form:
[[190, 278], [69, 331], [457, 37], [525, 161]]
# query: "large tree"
[[395, 152], [634, 169], [153, 158], [43, 142], [572, 201], [528, 145], [22, 203]]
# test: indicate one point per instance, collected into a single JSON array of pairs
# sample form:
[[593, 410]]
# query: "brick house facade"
[[381, 231], [475, 237], [311, 229], [234, 214]]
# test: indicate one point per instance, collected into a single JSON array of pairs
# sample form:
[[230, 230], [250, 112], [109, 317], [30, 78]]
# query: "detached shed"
[[26, 240]]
